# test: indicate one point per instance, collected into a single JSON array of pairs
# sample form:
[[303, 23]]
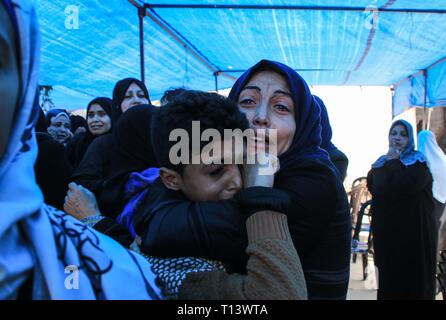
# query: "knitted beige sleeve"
[[274, 270]]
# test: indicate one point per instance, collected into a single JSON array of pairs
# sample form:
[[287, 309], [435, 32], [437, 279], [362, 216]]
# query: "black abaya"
[[404, 229]]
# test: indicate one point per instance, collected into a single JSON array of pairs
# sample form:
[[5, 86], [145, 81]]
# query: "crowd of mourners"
[[102, 193]]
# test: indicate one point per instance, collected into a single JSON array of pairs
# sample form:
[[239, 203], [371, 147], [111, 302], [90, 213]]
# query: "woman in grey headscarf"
[[46, 254], [59, 125]]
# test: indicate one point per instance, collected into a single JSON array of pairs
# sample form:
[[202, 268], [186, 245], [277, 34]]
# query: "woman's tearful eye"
[[282, 108], [247, 102]]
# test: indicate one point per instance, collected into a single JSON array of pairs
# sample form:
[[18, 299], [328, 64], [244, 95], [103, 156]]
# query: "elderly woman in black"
[[403, 222]]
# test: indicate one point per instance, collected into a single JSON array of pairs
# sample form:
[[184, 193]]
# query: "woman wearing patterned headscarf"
[[46, 254], [403, 222]]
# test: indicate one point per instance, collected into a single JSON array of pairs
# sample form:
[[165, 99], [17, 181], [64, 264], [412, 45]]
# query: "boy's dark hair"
[[170, 94], [212, 110], [77, 121]]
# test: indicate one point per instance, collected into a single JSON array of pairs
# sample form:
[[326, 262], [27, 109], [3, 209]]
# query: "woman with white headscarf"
[[436, 160], [46, 254]]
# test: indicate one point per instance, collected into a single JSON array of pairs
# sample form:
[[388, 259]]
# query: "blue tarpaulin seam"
[[369, 43], [289, 7], [186, 43]]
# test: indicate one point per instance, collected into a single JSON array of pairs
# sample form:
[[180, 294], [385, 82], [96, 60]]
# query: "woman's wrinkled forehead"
[[269, 82], [267, 78]]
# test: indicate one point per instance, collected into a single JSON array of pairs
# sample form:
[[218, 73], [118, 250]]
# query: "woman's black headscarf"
[[326, 133], [307, 138], [79, 144], [119, 94], [41, 125], [105, 103], [132, 152]]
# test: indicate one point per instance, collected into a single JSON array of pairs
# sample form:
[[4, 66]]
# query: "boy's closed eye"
[[215, 170]]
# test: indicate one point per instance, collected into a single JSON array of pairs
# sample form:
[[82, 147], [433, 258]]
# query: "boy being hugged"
[[209, 171]]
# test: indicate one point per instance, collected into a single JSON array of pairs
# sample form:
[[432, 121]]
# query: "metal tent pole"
[[429, 117], [141, 15], [292, 7], [216, 80], [425, 100]]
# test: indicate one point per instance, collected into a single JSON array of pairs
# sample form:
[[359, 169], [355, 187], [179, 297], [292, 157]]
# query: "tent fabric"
[[332, 42], [424, 89], [409, 93]]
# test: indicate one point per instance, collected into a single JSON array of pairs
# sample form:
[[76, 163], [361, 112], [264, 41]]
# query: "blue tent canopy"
[[207, 44], [426, 88]]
